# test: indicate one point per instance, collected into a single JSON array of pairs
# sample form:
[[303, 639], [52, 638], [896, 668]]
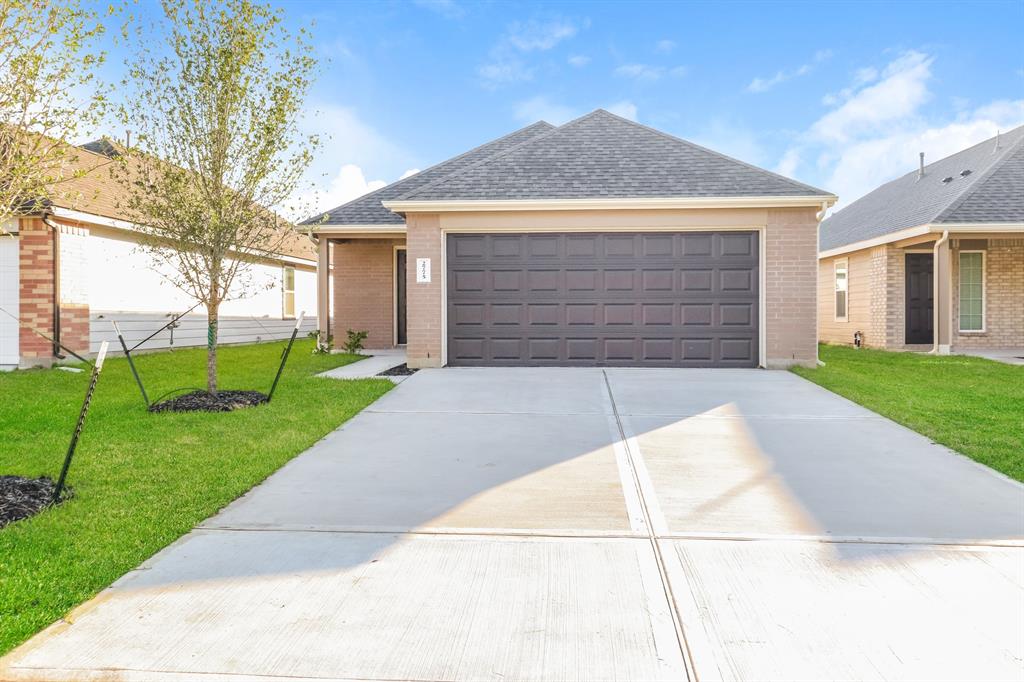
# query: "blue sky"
[[839, 95]]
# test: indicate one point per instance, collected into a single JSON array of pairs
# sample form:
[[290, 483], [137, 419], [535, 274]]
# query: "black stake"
[[97, 368], [131, 363], [284, 354]]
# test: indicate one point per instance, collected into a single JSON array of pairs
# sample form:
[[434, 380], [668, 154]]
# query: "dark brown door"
[[400, 317], [919, 298], [686, 299]]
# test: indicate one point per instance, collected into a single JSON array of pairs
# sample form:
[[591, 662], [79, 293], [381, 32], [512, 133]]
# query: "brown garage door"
[[685, 299]]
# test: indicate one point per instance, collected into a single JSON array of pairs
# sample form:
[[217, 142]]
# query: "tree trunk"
[[211, 348]]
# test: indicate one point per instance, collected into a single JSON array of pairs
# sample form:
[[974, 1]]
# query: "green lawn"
[[142, 480], [972, 405]]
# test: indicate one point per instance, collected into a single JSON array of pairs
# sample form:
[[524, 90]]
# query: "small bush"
[[354, 342]]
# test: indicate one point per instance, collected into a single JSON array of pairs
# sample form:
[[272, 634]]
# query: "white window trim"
[[845, 263], [284, 293], [984, 292]]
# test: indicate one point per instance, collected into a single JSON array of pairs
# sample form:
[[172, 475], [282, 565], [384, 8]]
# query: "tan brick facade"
[[425, 331], [877, 275], [791, 248], [1004, 297], [364, 289], [790, 245]]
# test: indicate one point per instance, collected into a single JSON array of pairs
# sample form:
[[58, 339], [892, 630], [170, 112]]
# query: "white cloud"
[[900, 92], [506, 63], [765, 84], [665, 46], [877, 126], [446, 8], [578, 60], [732, 138], [536, 35], [347, 184], [349, 144], [625, 109], [542, 108], [647, 72]]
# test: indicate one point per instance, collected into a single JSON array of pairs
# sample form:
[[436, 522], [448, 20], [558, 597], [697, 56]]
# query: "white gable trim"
[[401, 206]]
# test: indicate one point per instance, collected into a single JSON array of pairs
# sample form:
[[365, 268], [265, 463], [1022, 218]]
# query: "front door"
[[400, 296], [919, 298]]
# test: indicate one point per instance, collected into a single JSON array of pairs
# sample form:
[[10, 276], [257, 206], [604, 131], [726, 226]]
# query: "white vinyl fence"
[[190, 330]]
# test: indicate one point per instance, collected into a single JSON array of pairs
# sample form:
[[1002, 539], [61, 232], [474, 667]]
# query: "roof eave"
[[441, 206], [928, 228]]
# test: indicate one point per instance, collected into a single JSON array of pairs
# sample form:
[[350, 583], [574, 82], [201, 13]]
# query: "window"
[[288, 286], [972, 291], [842, 287]]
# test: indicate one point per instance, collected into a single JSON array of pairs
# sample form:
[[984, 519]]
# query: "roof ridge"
[[676, 138], [499, 155], [391, 185], [605, 112], [969, 191]]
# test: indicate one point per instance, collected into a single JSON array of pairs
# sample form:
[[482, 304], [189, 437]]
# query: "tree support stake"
[[96, 369]]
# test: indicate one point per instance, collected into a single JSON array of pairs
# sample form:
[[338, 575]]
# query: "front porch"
[[361, 286]]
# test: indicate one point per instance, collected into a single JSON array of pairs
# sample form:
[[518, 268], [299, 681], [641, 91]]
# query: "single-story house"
[[73, 267], [933, 260], [600, 242]]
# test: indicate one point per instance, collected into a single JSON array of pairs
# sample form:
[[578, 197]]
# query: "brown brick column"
[[37, 242], [35, 256]]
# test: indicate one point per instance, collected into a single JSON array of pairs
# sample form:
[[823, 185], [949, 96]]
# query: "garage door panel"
[[659, 299]]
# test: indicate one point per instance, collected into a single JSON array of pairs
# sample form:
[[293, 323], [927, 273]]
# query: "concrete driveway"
[[580, 524]]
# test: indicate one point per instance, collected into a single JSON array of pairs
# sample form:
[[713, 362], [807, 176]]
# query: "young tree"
[[216, 104], [48, 94]]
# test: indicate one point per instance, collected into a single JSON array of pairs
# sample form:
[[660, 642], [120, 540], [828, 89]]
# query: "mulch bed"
[[201, 401], [401, 370], [22, 497]]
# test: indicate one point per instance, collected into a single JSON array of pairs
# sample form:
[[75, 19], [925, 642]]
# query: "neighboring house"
[[75, 266], [601, 242], [931, 260]]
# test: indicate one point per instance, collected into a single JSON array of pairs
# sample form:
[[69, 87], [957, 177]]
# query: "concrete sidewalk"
[[581, 524]]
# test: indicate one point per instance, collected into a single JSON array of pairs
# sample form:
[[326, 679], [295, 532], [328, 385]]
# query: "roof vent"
[[964, 173], [920, 170], [948, 179]]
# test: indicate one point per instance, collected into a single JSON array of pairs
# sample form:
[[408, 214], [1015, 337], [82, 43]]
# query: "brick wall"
[[364, 285], [35, 259], [895, 308], [425, 335], [1004, 297], [862, 272], [791, 254]]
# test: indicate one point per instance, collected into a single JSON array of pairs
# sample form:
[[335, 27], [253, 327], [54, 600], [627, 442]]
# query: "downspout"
[[935, 287], [819, 216], [56, 284]]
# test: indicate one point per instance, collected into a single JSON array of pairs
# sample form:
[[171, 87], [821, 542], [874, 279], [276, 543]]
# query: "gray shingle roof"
[[993, 192], [368, 210], [601, 155]]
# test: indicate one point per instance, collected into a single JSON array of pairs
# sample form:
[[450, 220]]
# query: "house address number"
[[422, 270]]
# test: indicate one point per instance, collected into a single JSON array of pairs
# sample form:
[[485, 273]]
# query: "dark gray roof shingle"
[[993, 192], [368, 210], [601, 155]]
